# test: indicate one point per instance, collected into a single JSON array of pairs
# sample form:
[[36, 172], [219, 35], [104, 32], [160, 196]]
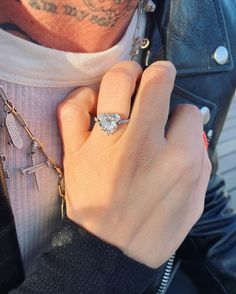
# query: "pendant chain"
[[10, 109]]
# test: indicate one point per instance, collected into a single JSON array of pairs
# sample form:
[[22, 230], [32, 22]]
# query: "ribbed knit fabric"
[[36, 79], [37, 214], [80, 263], [29, 64]]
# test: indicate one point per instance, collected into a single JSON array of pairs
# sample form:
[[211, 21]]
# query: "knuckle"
[[73, 104], [66, 110], [130, 66], [186, 164], [85, 91], [192, 111], [165, 63], [117, 76], [187, 168], [125, 71], [164, 72]]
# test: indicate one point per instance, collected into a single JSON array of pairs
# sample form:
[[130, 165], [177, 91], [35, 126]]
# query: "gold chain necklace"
[[11, 115]]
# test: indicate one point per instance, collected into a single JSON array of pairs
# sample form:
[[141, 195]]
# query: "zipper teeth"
[[166, 275]]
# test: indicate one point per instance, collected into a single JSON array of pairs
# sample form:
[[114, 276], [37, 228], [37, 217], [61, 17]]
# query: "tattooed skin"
[[111, 14], [43, 5], [69, 25], [102, 13]]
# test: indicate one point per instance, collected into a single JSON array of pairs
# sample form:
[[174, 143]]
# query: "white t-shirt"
[[36, 79]]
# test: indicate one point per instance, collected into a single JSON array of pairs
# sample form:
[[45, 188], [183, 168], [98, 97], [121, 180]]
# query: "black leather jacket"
[[189, 33]]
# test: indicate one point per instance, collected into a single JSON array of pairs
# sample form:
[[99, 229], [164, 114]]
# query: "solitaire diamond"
[[108, 122]]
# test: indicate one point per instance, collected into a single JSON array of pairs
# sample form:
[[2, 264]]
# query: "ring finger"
[[116, 90]]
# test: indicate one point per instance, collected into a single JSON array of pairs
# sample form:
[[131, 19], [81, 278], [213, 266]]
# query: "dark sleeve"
[[79, 262]]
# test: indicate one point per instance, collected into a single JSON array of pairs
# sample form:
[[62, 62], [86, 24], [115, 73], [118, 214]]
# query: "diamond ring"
[[109, 122]]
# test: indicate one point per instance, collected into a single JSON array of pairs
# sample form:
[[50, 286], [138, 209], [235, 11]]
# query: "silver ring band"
[[109, 122], [123, 121]]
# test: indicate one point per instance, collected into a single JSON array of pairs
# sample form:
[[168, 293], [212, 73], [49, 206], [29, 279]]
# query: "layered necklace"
[[13, 119], [11, 116]]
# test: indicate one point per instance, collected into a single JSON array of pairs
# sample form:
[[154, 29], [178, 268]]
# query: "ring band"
[[109, 122], [123, 121]]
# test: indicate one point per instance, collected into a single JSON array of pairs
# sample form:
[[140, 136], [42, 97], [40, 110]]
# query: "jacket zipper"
[[166, 276]]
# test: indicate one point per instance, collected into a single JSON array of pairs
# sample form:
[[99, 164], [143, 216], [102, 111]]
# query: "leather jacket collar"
[[188, 33]]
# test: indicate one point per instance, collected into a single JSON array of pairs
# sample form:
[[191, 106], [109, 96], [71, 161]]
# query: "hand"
[[140, 189]]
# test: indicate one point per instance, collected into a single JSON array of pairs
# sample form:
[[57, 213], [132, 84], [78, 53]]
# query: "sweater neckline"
[[26, 63]]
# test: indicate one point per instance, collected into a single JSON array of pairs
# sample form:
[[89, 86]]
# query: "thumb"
[[74, 118]]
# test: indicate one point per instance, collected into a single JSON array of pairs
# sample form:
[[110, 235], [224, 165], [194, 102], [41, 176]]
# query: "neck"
[[73, 25]]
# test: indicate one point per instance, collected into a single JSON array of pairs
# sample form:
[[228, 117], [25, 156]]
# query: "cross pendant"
[[34, 169]]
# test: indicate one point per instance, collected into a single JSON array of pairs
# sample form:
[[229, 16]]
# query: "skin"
[[141, 189], [73, 25]]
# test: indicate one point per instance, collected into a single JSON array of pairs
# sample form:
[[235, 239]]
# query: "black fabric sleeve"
[[79, 262]]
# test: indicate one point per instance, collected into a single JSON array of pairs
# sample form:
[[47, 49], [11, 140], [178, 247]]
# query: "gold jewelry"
[[36, 144]]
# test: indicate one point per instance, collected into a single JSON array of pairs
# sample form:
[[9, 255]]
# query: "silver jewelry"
[[36, 145], [3, 159], [149, 6], [10, 123], [109, 122], [34, 168], [138, 42]]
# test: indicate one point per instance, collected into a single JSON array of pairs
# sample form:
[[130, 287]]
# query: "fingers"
[[150, 110], [117, 87], [74, 118], [115, 94], [151, 107], [186, 128], [201, 185]]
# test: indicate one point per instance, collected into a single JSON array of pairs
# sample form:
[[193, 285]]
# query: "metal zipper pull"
[[4, 165], [142, 43], [149, 6]]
